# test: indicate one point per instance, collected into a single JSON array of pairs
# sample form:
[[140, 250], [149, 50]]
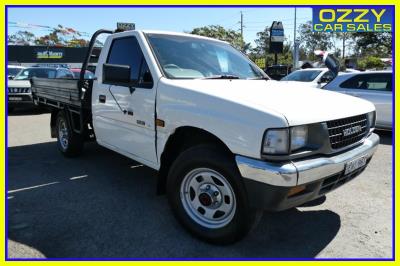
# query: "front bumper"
[[20, 99], [269, 184]]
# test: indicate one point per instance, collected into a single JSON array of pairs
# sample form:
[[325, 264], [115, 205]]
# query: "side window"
[[60, 74], [126, 51], [354, 82], [145, 80], [382, 82]]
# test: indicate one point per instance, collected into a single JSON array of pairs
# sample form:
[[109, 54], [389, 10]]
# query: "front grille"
[[346, 131], [19, 90]]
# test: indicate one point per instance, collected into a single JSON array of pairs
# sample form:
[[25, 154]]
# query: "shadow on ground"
[[21, 111], [103, 205], [385, 136]]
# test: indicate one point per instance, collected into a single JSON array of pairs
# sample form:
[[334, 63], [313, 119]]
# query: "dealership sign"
[[276, 37], [352, 19], [47, 54]]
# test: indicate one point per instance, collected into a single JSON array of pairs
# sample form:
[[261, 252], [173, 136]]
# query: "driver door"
[[123, 116]]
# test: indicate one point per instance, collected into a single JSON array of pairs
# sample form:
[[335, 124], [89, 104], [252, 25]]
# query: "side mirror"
[[117, 74], [10, 77]]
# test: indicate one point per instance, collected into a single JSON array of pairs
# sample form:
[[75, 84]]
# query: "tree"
[[311, 40], [22, 38], [373, 43], [220, 33], [262, 49], [345, 38], [369, 62], [262, 42]]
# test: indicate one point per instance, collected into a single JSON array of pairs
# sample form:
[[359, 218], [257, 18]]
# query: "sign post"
[[276, 38]]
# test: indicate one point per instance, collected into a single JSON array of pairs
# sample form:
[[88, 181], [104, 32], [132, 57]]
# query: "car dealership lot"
[[104, 205]]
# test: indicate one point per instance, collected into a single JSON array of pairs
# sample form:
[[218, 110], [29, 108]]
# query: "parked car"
[[77, 71], [375, 87], [13, 70], [312, 77], [226, 140], [277, 72], [19, 88]]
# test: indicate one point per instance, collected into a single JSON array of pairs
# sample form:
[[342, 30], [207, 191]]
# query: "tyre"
[[69, 143], [207, 196]]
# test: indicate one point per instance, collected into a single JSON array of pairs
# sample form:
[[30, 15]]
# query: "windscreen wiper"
[[222, 77]]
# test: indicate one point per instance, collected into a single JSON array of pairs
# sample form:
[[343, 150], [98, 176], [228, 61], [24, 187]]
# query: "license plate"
[[15, 98], [355, 164]]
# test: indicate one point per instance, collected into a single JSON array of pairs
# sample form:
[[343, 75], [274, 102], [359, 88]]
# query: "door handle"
[[102, 98]]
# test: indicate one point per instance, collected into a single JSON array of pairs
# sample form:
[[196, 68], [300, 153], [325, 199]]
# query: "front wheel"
[[207, 195], [69, 143]]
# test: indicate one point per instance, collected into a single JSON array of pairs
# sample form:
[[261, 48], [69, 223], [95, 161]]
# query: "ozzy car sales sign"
[[376, 19]]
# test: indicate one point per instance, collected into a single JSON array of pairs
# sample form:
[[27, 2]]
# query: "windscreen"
[[188, 57], [13, 71], [36, 72], [304, 76]]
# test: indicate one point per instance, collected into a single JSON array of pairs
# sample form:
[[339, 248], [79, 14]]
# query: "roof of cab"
[[172, 33]]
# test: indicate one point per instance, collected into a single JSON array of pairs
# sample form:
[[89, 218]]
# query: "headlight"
[[276, 141], [371, 119], [298, 137]]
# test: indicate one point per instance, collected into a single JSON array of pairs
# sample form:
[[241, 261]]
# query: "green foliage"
[[262, 50], [369, 62], [59, 36], [311, 41], [220, 33], [262, 42], [373, 43], [21, 38]]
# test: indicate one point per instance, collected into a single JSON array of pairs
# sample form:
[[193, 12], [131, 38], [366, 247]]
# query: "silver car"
[[375, 87]]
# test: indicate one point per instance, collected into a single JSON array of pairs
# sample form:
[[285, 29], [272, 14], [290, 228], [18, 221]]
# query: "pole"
[[344, 43], [294, 41], [241, 29]]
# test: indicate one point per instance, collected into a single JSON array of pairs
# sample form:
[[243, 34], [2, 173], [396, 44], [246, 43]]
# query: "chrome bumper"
[[294, 173]]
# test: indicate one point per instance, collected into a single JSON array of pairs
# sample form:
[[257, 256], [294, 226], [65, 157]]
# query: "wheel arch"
[[183, 138]]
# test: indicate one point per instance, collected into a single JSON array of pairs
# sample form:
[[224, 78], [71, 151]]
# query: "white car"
[[227, 141], [375, 87], [311, 77]]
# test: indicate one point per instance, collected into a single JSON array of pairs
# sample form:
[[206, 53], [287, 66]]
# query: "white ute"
[[227, 141]]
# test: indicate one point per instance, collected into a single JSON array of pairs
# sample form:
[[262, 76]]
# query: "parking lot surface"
[[103, 205]]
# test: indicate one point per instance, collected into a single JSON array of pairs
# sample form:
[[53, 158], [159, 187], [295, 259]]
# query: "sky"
[[172, 19]]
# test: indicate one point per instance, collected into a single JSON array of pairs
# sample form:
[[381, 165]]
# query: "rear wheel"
[[69, 143], [207, 195]]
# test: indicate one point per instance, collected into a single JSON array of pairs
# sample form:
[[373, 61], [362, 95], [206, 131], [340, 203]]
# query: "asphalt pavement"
[[103, 205]]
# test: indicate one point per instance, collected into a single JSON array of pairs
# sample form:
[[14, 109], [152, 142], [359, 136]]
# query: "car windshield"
[[304, 76], [36, 72], [185, 57], [13, 71]]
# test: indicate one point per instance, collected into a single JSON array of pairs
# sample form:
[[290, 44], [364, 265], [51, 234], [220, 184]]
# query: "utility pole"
[[295, 48], [241, 29], [344, 43]]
